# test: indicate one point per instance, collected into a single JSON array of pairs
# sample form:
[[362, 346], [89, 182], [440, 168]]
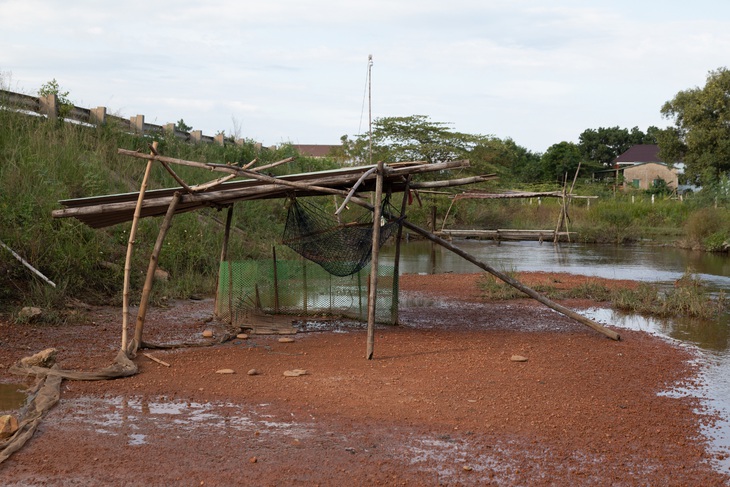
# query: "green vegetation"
[[689, 297], [42, 162]]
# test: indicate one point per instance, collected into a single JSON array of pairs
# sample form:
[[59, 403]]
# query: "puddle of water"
[[12, 396], [711, 341]]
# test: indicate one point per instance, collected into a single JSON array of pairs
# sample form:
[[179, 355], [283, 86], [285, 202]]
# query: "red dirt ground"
[[441, 403]]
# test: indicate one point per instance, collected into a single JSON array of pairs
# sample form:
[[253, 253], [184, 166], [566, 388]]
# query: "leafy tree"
[[65, 105], [701, 135], [561, 159], [604, 145], [182, 126], [412, 138]]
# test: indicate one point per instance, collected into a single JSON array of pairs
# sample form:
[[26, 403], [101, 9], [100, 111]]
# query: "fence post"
[[98, 115], [137, 124], [49, 105]]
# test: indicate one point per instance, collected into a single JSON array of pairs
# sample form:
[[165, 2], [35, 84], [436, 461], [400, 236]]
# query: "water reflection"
[[12, 396], [640, 263]]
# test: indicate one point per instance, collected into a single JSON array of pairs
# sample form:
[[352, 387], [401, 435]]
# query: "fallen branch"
[[155, 359]]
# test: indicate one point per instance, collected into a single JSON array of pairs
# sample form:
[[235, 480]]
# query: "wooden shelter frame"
[[99, 212]]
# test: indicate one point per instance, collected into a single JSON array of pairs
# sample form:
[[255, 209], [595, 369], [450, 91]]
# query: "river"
[[664, 265]]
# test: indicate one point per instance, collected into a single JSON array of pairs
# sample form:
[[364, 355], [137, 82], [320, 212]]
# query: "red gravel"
[[440, 404]]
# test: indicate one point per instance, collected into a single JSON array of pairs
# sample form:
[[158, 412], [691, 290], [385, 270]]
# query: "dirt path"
[[441, 403]]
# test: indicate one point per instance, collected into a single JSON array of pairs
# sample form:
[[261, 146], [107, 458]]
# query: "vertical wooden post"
[[130, 248], [373, 291], [396, 257], [304, 276], [276, 281], [151, 268], [224, 253]]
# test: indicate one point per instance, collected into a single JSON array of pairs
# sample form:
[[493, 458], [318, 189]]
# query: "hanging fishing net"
[[341, 249]]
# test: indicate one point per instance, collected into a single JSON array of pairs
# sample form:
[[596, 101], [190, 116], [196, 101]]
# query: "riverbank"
[[442, 403]]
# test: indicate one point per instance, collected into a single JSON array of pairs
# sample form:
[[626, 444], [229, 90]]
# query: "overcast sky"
[[539, 72]]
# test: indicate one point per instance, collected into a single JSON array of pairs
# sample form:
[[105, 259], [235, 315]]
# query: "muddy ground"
[[442, 403]]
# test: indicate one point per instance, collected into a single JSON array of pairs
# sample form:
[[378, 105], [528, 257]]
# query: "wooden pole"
[[396, 258], [373, 290], [224, 251], [513, 282], [130, 248], [149, 279], [276, 281]]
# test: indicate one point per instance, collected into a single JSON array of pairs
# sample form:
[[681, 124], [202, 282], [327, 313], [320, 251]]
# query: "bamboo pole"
[[149, 278], [514, 283], [396, 258], [130, 248], [276, 280], [373, 290], [224, 252], [27, 264]]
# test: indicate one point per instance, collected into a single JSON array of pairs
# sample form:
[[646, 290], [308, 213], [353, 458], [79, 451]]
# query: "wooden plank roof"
[[107, 210]]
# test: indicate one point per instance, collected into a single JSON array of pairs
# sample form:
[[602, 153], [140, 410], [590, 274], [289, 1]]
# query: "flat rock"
[[286, 340], [294, 373], [45, 358], [29, 313], [225, 371], [8, 426], [207, 333], [242, 336], [253, 372], [518, 358]]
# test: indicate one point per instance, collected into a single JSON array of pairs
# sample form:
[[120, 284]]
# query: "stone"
[[253, 372], [45, 358], [242, 336], [294, 373], [162, 275], [225, 371], [8, 426], [29, 313], [208, 333], [518, 358], [286, 340]]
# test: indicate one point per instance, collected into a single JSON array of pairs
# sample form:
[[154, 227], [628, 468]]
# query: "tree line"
[[699, 138]]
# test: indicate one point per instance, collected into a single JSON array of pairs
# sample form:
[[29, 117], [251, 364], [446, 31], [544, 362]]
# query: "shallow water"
[[663, 265], [12, 396]]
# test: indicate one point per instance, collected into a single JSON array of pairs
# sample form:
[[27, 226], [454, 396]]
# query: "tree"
[[701, 134], [561, 159], [412, 138], [604, 145], [182, 126], [65, 105]]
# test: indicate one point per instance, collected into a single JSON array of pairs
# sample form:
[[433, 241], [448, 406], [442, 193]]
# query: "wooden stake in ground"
[[373, 290], [151, 268], [130, 247]]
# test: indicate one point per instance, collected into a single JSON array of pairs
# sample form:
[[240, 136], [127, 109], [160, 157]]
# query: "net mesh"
[[342, 249], [297, 287]]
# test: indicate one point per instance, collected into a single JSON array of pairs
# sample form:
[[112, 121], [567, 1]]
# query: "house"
[[640, 166]]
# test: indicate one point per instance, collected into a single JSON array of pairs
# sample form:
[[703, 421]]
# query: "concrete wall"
[[647, 173]]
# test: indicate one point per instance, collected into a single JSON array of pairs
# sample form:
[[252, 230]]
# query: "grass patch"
[[690, 297]]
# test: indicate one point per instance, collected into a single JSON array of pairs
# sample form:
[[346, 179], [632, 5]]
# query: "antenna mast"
[[370, 107]]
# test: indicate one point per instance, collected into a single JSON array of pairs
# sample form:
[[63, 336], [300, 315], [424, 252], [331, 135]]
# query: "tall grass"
[[42, 162]]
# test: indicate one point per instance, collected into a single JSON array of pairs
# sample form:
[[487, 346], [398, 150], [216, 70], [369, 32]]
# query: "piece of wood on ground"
[[155, 359]]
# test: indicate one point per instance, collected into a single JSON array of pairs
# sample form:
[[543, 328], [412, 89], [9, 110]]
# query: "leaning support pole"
[[151, 268], [514, 283], [373, 288], [130, 248]]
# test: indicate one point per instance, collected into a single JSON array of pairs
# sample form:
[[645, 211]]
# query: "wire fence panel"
[[299, 287]]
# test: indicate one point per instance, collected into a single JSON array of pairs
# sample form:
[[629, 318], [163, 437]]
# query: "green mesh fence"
[[301, 288]]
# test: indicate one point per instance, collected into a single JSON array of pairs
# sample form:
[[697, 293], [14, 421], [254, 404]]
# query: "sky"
[[279, 71]]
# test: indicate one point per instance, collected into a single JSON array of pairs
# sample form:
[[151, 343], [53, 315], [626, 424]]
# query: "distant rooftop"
[[314, 150], [638, 154]]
